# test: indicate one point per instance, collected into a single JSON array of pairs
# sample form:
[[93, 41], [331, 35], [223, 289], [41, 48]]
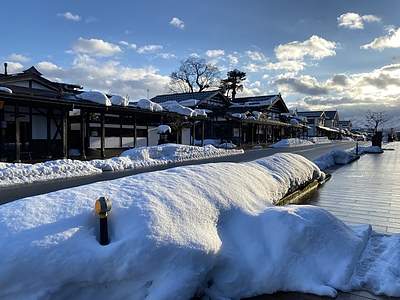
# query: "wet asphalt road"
[[9, 194]]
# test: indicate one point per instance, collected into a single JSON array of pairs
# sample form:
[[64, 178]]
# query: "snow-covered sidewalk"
[[19, 173]]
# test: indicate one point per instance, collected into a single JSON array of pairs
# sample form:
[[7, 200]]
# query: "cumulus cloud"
[[355, 21], [315, 48], [90, 20], [108, 76], [177, 23], [256, 56], [214, 53], [96, 47], [304, 84], [378, 89], [149, 49], [69, 16], [18, 57], [131, 46], [391, 40], [14, 67], [233, 59]]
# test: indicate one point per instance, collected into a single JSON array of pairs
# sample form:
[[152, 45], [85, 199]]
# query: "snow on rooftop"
[[149, 105], [5, 90], [119, 100], [97, 97], [189, 102]]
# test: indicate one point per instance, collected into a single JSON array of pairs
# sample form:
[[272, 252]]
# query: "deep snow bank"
[[195, 230]]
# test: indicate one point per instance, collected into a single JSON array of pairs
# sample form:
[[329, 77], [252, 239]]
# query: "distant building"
[[322, 123]]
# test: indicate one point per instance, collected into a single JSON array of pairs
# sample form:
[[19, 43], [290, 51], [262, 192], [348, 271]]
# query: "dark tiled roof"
[[310, 113], [242, 100], [331, 114], [185, 96]]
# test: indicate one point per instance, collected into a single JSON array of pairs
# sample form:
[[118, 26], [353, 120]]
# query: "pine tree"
[[233, 83]]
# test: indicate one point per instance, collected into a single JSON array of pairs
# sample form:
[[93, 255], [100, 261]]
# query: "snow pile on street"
[[203, 230], [12, 174], [319, 140], [18, 173], [340, 157], [294, 142]]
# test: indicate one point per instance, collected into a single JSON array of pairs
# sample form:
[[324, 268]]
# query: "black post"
[[103, 230], [103, 206]]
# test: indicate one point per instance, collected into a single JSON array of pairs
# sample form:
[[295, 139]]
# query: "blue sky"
[[318, 54]]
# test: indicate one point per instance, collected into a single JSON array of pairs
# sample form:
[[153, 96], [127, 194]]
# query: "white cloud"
[[290, 65], [177, 23], [131, 46], [90, 20], [149, 49], [233, 59], [166, 55], [346, 92], [69, 16], [391, 40], [316, 48], [214, 53], [14, 67], [18, 57], [96, 47], [355, 21], [44, 66], [256, 56], [108, 76]]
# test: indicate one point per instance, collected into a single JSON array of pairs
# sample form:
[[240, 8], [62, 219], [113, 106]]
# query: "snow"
[[149, 105], [189, 102], [163, 129], [119, 100], [207, 230], [294, 142], [20, 173], [5, 90], [182, 110], [97, 97]]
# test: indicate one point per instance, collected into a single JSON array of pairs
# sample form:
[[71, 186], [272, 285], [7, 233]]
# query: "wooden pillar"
[[64, 133], [147, 130], [202, 133], [3, 127], [193, 134], [240, 134], [103, 135], [48, 140], [134, 132], [83, 133], [87, 131], [17, 134], [120, 117]]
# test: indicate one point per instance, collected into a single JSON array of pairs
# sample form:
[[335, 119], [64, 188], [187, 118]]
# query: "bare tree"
[[194, 75], [376, 118]]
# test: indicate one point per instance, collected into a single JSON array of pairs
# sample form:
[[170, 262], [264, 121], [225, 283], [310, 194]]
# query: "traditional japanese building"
[[243, 121], [42, 119]]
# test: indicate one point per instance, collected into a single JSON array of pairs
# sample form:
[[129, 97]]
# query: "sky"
[[200, 239], [332, 55]]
